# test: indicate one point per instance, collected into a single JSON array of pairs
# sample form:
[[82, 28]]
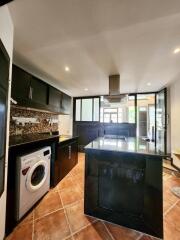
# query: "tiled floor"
[[59, 215]]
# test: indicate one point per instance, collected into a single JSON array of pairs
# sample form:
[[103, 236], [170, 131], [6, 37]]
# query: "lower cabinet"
[[66, 159]]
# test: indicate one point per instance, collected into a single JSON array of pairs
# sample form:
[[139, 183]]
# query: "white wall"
[[65, 125], [6, 35], [175, 120], [66, 122]]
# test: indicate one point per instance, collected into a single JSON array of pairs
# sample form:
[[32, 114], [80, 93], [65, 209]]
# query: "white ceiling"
[[96, 38]]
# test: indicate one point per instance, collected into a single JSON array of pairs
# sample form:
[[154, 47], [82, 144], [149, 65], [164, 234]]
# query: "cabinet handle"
[[30, 92], [69, 152], [29, 96]]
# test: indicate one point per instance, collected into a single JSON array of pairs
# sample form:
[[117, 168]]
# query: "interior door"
[[161, 122]]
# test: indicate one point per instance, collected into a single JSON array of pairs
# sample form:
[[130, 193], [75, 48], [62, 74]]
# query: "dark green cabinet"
[[67, 158], [30, 91], [54, 98], [38, 91], [65, 104], [20, 85], [125, 188]]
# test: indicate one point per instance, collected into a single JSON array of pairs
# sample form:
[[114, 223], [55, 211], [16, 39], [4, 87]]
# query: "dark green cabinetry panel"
[[20, 85], [67, 158], [126, 189], [38, 91], [65, 105], [54, 98], [29, 91]]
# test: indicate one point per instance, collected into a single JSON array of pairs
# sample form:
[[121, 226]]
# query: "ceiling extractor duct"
[[114, 85], [114, 89]]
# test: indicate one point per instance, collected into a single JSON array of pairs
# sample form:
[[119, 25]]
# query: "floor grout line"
[[47, 214], [66, 216], [169, 209], [84, 227], [110, 234]]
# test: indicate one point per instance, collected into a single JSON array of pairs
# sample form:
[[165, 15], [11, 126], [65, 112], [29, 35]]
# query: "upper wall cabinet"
[[54, 98], [65, 105], [38, 91], [20, 85], [30, 91]]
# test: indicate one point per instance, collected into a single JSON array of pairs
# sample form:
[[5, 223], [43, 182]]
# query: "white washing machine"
[[32, 179]]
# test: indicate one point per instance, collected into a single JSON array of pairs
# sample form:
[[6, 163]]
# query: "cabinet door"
[[65, 104], [74, 154], [20, 84], [63, 156], [38, 91], [54, 98], [67, 158]]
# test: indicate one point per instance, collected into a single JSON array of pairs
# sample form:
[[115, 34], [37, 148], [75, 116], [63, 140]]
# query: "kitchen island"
[[123, 183]]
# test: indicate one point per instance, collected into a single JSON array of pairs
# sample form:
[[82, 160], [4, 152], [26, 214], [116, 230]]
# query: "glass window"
[[120, 109], [96, 109], [78, 109], [146, 115], [87, 104]]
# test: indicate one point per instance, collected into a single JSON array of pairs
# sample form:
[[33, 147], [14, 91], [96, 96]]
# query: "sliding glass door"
[[161, 122]]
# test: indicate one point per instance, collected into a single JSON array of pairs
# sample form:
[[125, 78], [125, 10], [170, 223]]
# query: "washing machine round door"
[[37, 175]]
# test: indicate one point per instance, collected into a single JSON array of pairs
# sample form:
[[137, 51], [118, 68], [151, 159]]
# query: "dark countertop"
[[36, 137], [130, 145], [29, 138]]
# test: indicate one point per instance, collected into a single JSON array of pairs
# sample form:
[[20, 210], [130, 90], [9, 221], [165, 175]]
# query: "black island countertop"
[[124, 144], [18, 140]]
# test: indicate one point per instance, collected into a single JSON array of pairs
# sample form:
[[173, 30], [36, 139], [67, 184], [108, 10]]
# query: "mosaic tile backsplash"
[[25, 121]]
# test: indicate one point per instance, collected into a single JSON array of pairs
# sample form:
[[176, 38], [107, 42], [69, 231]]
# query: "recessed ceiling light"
[[67, 69], [177, 50], [86, 89], [148, 84]]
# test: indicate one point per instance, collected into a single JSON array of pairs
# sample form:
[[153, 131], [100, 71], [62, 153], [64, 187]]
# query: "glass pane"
[[160, 121], [113, 118], [78, 109], [87, 109], [38, 175], [146, 115], [123, 106], [96, 109], [106, 117]]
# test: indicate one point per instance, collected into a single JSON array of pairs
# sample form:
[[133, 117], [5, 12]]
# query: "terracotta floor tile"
[[168, 196], [28, 218], [70, 196], [170, 232], [166, 205], [76, 217], [48, 204], [79, 177], [96, 231], [52, 227], [173, 217], [79, 168], [23, 232], [119, 232], [65, 183], [54, 189]]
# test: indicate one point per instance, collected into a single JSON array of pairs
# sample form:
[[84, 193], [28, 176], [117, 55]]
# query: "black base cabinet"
[[67, 158], [126, 189]]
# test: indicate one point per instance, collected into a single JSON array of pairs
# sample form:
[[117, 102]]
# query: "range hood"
[[114, 89], [114, 85]]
